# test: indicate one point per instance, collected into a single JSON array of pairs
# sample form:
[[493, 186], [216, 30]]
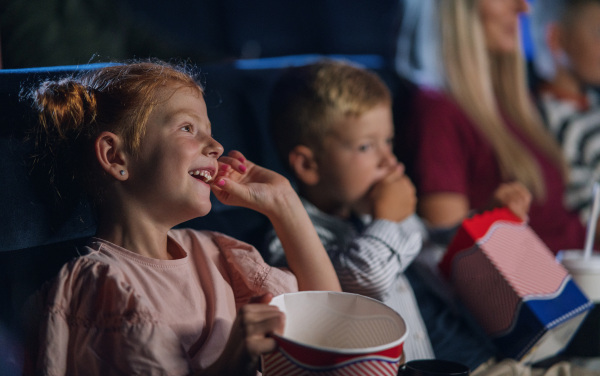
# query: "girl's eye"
[[364, 147]]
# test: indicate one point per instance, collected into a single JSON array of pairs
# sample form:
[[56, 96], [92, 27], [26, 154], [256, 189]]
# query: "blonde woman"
[[475, 135]]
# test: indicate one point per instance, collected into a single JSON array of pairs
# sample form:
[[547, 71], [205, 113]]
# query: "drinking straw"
[[591, 227]]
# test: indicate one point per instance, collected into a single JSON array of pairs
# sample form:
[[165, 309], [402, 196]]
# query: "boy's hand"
[[394, 197], [249, 337], [240, 182], [514, 196]]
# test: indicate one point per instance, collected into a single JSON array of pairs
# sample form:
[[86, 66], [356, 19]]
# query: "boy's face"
[[355, 155], [581, 42]]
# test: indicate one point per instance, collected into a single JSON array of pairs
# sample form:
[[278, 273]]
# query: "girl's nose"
[[213, 149]]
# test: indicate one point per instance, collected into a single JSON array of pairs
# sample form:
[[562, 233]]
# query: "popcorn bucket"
[[511, 283], [336, 334]]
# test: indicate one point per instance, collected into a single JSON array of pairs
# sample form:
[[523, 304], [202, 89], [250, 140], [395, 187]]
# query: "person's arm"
[[443, 210], [386, 247], [370, 264], [271, 194], [447, 210]]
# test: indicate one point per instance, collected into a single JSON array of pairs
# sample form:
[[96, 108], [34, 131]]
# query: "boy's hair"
[[306, 100]]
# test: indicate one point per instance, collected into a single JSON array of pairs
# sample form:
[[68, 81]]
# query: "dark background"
[[38, 33]]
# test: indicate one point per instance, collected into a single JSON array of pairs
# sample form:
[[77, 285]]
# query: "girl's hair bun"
[[64, 106]]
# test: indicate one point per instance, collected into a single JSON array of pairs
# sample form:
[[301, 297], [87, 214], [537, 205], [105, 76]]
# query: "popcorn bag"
[[336, 334], [512, 285]]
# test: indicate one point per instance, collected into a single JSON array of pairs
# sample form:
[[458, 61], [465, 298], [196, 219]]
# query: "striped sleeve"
[[371, 263], [578, 133]]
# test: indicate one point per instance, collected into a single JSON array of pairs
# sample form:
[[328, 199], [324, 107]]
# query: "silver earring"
[[122, 172]]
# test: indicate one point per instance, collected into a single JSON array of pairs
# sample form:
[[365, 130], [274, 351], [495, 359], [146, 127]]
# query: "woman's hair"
[[73, 111], [486, 85], [306, 101]]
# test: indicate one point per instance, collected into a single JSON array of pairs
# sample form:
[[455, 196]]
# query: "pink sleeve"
[[128, 339], [440, 154], [250, 274]]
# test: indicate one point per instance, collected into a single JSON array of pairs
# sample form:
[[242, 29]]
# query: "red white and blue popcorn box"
[[336, 334], [513, 286]]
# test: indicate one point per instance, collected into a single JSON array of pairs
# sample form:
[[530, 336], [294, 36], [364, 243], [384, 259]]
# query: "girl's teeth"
[[205, 175]]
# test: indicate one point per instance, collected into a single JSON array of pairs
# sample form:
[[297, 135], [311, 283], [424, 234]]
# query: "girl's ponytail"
[[66, 112], [65, 108]]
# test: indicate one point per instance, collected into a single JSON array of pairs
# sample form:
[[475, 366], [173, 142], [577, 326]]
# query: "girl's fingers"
[[228, 187], [262, 319], [233, 163], [259, 322], [236, 160], [261, 346], [237, 155]]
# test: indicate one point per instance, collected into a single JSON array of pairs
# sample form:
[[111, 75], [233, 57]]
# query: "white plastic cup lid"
[[574, 261]]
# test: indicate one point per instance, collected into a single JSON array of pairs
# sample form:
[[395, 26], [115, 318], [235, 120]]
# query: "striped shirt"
[[370, 258], [578, 132]]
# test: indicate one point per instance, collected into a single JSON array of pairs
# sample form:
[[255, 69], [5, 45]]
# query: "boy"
[[567, 64], [332, 123]]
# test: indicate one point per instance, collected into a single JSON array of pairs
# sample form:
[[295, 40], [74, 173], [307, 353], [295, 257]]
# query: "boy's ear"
[[111, 155], [303, 163]]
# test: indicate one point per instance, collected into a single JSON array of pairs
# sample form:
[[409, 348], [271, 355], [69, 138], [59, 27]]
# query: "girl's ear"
[[111, 155], [303, 163]]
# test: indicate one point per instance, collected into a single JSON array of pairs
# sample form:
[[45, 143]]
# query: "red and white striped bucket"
[[336, 334]]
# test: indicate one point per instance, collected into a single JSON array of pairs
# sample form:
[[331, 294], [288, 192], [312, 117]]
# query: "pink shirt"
[[113, 311], [451, 155]]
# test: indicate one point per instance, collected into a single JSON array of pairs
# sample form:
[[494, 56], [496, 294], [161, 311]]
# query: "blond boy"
[[332, 124]]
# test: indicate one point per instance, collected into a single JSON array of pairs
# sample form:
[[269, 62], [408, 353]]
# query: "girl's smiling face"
[[177, 159], [500, 19]]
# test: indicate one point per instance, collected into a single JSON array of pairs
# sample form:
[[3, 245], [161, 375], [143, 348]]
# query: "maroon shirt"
[[451, 155]]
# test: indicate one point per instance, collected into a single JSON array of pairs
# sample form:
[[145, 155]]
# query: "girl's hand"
[[514, 196], [240, 182], [249, 338]]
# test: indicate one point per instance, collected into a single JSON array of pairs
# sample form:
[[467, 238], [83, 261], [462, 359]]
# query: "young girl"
[[145, 299]]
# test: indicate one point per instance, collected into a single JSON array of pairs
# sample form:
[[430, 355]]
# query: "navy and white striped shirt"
[[578, 133], [370, 258]]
